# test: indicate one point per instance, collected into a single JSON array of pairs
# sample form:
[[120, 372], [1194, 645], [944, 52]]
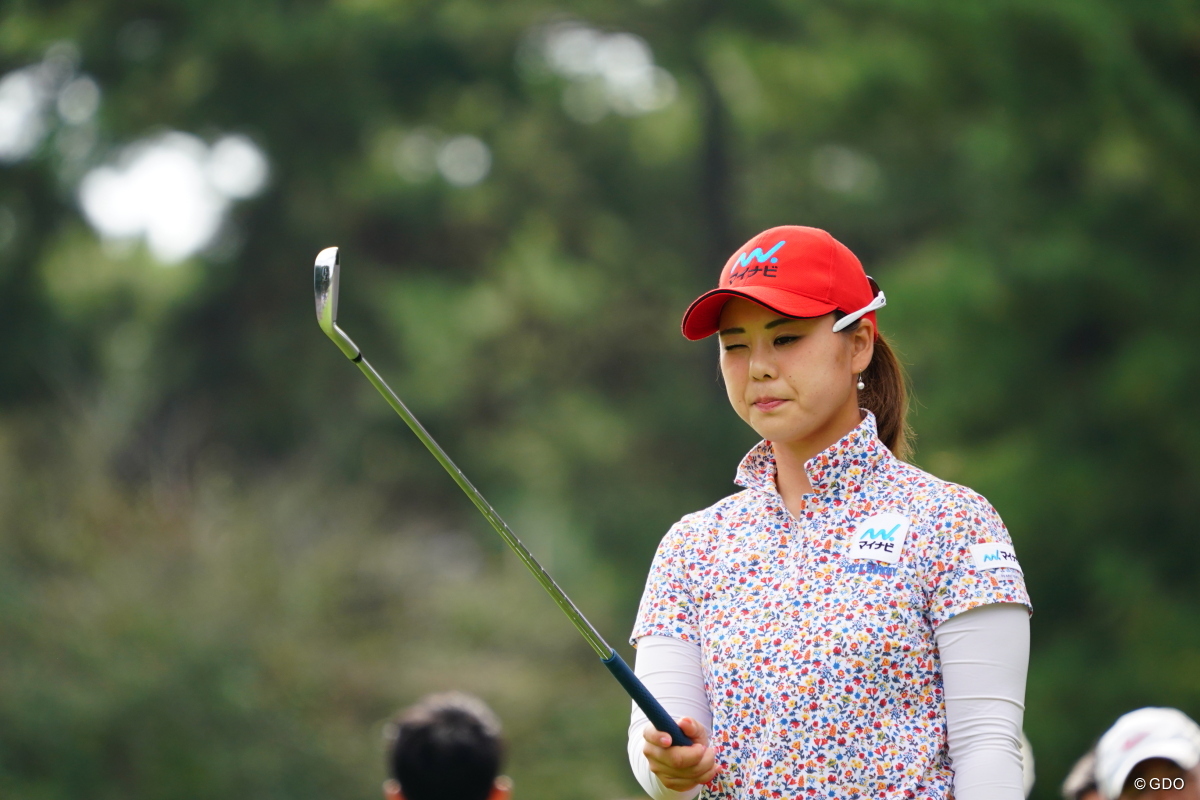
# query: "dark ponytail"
[[885, 395]]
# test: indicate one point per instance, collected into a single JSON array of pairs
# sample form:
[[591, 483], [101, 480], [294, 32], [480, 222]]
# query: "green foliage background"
[[224, 562]]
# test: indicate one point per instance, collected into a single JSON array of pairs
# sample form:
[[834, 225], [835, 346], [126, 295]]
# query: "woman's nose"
[[762, 366]]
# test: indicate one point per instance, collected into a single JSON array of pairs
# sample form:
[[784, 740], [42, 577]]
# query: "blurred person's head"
[[1080, 783], [1150, 753], [795, 315], [447, 747]]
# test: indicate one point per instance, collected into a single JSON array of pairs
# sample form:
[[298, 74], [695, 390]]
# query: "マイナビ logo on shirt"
[[880, 537], [993, 555]]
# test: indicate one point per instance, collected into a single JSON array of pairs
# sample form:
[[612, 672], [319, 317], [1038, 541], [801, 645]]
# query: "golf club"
[[325, 282]]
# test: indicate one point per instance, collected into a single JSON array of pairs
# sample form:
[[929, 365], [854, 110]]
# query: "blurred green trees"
[[224, 562]]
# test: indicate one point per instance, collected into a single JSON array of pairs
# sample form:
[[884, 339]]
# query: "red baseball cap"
[[795, 271]]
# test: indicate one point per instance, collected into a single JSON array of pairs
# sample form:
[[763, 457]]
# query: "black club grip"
[[653, 710]]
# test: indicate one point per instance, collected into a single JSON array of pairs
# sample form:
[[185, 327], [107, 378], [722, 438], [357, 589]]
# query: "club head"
[[326, 273], [325, 285]]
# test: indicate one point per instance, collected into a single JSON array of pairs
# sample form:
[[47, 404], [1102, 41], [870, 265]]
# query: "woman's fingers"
[[656, 737], [690, 727], [682, 771], [677, 759], [693, 730], [680, 768], [709, 766]]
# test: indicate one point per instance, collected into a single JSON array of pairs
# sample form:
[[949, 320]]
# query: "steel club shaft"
[[326, 277]]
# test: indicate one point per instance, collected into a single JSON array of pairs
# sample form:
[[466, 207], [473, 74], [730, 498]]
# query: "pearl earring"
[[861, 385]]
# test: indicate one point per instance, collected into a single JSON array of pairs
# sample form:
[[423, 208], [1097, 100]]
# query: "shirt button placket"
[[793, 528]]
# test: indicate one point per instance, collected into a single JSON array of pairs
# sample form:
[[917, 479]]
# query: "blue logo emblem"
[[880, 533], [743, 270], [759, 255], [994, 555]]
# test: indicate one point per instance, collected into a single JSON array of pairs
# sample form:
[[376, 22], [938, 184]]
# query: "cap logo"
[[743, 270], [1135, 739]]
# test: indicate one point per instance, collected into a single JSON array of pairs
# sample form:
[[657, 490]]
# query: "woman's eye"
[[729, 347], [782, 340]]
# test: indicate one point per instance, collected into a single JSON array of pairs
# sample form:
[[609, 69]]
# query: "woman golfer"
[[847, 625]]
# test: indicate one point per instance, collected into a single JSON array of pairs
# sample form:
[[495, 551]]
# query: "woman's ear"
[[862, 345], [391, 790]]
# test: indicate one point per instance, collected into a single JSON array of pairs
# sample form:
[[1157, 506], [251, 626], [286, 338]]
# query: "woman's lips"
[[769, 405]]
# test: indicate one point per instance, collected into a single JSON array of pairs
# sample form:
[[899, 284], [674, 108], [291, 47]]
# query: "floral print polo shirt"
[[816, 634]]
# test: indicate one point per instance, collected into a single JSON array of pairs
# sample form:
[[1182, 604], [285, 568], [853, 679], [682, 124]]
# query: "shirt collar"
[[841, 465]]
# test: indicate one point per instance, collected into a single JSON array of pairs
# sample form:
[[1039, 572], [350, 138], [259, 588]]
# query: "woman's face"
[[792, 380]]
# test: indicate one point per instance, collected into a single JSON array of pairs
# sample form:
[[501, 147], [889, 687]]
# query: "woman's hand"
[[680, 768]]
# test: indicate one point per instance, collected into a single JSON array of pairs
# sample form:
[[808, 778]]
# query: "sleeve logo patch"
[[881, 538], [994, 555]]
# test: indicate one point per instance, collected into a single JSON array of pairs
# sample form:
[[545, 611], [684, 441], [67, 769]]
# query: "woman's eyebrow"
[[768, 326]]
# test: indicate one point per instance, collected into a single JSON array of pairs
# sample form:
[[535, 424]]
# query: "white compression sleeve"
[[670, 669], [985, 655]]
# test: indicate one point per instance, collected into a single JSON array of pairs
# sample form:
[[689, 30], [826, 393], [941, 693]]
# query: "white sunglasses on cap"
[[879, 302]]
